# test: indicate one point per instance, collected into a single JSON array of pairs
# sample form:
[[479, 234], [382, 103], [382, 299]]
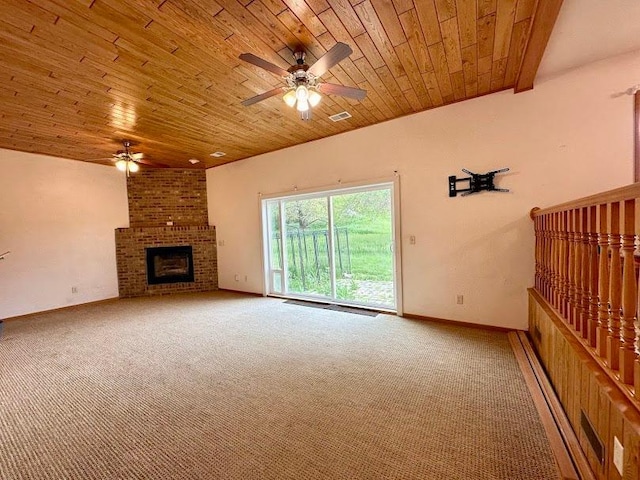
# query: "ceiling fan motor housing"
[[299, 56]]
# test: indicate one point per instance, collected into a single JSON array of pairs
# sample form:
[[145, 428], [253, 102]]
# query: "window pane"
[[307, 241], [363, 246]]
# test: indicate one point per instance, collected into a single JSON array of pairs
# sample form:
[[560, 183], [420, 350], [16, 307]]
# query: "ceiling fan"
[[303, 86], [128, 161]]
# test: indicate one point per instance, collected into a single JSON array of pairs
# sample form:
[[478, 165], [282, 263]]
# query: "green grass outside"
[[369, 247]]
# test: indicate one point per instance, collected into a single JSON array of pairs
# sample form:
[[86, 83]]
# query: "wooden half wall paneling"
[[583, 387]]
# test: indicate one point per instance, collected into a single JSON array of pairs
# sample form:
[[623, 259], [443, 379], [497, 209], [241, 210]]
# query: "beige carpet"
[[223, 386]]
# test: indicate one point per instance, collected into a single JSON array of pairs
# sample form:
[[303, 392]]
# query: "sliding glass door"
[[336, 246]]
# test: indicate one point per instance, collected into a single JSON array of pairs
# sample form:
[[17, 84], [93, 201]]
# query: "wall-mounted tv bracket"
[[477, 183]]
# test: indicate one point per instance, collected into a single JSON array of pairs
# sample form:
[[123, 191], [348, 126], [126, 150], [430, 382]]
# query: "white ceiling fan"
[[127, 161]]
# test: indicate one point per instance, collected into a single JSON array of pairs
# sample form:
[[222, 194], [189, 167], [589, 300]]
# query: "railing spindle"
[[555, 260], [636, 368], [538, 240], [550, 242], [547, 257], [629, 295], [584, 277], [592, 314], [603, 282], [615, 293], [564, 260], [547, 270], [571, 267], [578, 271], [541, 253]]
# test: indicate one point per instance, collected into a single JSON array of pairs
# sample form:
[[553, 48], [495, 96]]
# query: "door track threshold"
[[334, 307]]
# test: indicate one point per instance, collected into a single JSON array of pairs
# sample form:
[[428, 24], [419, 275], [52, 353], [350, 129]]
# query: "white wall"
[[58, 219], [569, 137]]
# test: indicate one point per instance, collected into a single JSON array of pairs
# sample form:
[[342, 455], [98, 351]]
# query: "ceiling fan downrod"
[[127, 163], [299, 57]]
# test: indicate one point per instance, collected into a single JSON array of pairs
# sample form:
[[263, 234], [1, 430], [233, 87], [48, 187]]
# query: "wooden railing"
[[587, 269]]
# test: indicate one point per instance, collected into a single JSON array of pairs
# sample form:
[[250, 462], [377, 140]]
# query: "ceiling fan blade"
[[259, 62], [335, 55], [262, 96], [137, 156], [342, 91], [100, 161]]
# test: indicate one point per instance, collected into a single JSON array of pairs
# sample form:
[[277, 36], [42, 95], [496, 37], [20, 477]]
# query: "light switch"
[[618, 455]]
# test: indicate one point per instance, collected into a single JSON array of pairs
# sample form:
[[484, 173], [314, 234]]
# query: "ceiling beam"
[[544, 19]]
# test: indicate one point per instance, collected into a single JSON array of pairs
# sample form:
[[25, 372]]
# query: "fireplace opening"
[[169, 265]]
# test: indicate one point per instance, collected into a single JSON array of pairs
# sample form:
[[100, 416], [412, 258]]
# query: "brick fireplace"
[[167, 213]]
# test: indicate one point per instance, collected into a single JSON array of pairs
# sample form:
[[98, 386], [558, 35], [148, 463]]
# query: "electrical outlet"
[[74, 289], [460, 299], [412, 240], [618, 455]]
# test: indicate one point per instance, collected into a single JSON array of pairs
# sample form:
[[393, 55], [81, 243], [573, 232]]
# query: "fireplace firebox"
[[169, 265]]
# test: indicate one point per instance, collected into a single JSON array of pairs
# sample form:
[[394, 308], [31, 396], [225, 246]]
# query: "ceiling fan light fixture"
[[302, 105], [133, 166], [290, 98], [314, 98], [121, 165], [302, 93]]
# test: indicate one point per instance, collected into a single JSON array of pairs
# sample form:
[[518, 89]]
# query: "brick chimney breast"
[[167, 207]]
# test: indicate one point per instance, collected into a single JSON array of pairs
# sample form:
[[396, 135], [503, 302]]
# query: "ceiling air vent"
[[340, 116]]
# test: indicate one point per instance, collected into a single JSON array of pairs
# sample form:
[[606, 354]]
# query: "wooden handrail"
[[616, 195]]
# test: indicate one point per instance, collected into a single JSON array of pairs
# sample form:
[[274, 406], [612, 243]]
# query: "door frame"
[[351, 187]]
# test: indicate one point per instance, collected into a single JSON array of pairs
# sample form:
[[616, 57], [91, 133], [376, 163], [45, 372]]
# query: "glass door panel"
[[274, 247], [308, 246], [363, 247]]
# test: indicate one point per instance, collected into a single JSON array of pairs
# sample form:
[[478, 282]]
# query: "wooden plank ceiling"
[[79, 76]]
